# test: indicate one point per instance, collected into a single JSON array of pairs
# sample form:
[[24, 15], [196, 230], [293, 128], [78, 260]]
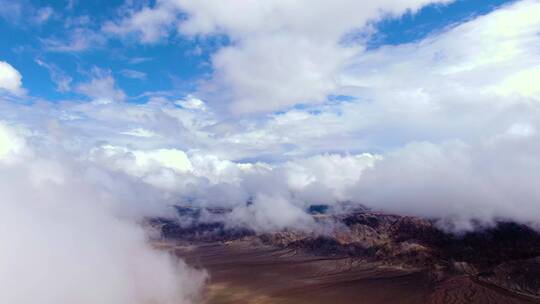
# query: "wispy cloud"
[[44, 14], [137, 60], [10, 10], [59, 77], [101, 88], [78, 40], [19, 11], [133, 74]]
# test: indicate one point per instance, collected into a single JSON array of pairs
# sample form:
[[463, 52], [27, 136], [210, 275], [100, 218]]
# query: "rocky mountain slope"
[[505, 257]]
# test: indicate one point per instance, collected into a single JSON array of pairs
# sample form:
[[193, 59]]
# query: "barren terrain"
[[375, 259]]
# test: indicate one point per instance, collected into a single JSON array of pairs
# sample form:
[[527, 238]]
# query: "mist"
[[67, 236]]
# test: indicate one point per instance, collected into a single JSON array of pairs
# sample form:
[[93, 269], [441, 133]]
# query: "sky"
[[420, 107], [57, 44]]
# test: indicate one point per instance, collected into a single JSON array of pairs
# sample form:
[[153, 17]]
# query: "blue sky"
[[169, 64], [175, 63], [430, 19]]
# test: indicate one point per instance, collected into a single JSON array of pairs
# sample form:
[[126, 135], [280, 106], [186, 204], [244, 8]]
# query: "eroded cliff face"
[[506, 256]]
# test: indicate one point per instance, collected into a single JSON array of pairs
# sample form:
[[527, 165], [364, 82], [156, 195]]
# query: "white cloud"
[[289, 70], [133, 74], [282, 53], [161, 168], [327, 178], [140, 132], [10, 143], [10, 79], [271, 213], [191, 103], [150, 23], [140, 161], [522, 83], [59, 77], [82, 221], [458, 182], [43, 14], [78, 39], [101, 88], [466, 94]]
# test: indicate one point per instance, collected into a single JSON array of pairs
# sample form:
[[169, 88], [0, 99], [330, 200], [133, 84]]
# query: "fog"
[[67, 236]]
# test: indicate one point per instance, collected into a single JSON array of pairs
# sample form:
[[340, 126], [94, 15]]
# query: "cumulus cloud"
[[297, 46], [10, 79]]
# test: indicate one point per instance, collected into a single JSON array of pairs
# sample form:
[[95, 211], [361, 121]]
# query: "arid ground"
[[241, 272]]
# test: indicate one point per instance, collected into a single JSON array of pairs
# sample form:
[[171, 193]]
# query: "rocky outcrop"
[[196, 231]]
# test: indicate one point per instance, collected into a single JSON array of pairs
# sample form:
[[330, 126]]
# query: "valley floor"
[[240, 272]]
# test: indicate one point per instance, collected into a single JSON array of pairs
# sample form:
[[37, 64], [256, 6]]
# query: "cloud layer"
[[450, 121]]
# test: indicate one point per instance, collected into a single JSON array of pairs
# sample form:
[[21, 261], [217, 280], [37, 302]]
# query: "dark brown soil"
[[241, 272], [359, 257]]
